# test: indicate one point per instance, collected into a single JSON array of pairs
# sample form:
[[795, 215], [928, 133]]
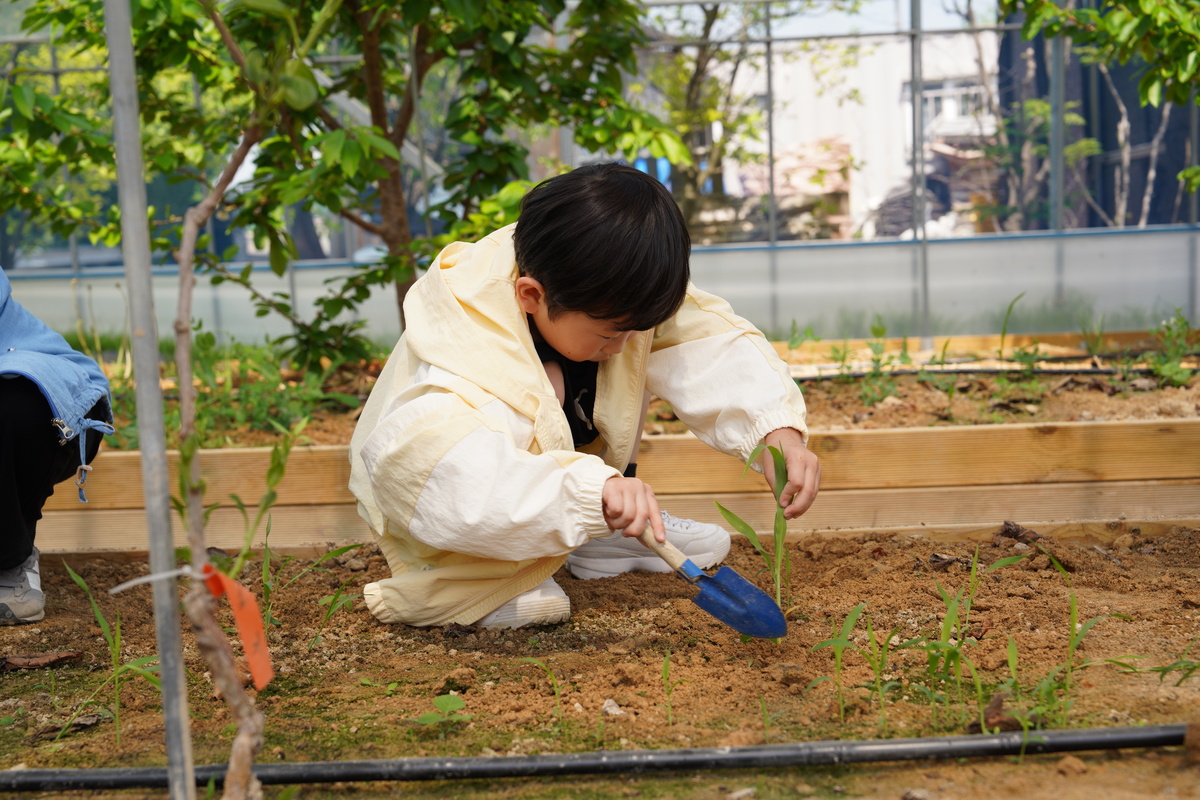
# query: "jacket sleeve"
[[722, 377], [461, 478]]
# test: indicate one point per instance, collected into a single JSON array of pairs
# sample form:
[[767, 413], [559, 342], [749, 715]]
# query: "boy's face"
[[574, 334]]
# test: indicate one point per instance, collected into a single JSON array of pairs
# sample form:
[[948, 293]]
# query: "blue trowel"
[[726, 595]]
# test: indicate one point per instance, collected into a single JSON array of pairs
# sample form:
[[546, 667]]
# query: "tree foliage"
[[1163, 34], [334, 92]]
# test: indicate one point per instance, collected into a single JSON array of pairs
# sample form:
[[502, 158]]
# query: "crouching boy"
[[499, 442]]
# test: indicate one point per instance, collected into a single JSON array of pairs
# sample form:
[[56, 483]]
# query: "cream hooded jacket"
[[463, 462]]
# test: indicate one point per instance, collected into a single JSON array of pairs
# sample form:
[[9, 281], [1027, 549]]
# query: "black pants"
[[32, 462]]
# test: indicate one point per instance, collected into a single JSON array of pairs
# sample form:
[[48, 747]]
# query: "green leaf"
[[741, 527], [300, 90], [23, 100], [448, 703]]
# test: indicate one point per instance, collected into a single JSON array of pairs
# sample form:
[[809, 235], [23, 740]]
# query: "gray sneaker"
[[21, 598]]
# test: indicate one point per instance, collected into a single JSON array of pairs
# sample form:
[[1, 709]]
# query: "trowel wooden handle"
[[664, 550]]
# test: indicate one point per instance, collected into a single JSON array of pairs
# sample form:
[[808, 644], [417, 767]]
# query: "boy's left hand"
[[803, 469]]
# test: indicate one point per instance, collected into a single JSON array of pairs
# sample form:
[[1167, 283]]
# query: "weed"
[[112, 636], [669, 685], [1028, 358], [877, 384], [388, 690], [942, 380], [445, 714], [334, 603], [558, 712], [1184, 664], [273, 569], [777, 561], [1175, 339], [841, 354], [796, 339], [840, 643]]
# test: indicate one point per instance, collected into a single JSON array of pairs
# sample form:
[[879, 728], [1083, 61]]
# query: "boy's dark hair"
[[606, 240]]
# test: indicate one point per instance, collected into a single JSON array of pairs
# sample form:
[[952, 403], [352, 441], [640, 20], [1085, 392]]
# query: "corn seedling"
[[840, 643], [143, 666], [669, 685], [1004, 325], [876, 655], [558, 712], [776, 559]]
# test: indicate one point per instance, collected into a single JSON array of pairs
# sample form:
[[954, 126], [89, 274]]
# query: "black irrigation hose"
[[800, 754]]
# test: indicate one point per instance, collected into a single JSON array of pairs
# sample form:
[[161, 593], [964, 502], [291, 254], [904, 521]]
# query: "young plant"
[[942, 380], [876, 655], [841, 354], [273, 582], [877, 384], [388, 689], [1175, 341], [333, 603], [1093, 335], [558, 712], [445, 714], [840, 643], [112, 636], [1184, 664], [776, 559], [669, 685], [1004, 325], [796, 339]]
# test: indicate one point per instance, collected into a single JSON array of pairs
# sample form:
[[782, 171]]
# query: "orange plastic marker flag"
[[249, 623]]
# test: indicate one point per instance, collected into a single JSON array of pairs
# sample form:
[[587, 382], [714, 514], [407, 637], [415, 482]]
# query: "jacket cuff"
[[774, 420]]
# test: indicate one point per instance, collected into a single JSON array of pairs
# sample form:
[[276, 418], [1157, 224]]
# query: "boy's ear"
[[530, 294]]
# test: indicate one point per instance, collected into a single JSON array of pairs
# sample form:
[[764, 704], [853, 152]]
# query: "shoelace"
[[679, 524]]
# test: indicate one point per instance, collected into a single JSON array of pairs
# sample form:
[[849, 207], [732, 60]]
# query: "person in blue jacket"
[[54, 411]]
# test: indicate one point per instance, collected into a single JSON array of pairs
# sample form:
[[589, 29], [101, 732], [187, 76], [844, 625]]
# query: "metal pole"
[[135, 244], [921, 267], [772, 208], [1057, 163]]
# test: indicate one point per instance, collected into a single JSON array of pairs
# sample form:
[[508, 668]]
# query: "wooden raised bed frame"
[[944, 478]]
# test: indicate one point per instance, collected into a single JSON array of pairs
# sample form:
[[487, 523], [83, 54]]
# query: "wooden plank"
[[125, 529], [869, 508], [949, 456], [1094, 531], [316, 475], [983, 346], [682, 464]]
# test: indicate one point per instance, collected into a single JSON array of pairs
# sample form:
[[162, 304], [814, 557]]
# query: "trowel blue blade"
[[737, 602]]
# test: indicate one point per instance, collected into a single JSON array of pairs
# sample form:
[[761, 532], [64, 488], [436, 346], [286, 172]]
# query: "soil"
[[348, 687]]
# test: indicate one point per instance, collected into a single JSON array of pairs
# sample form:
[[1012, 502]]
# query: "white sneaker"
[[704, 544], [21, 598], [544, 604]]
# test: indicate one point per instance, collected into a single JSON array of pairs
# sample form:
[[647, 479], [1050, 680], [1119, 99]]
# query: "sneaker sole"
[[597, 566], [7, 617]]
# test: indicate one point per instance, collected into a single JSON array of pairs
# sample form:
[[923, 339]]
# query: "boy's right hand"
[[630, 505]]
